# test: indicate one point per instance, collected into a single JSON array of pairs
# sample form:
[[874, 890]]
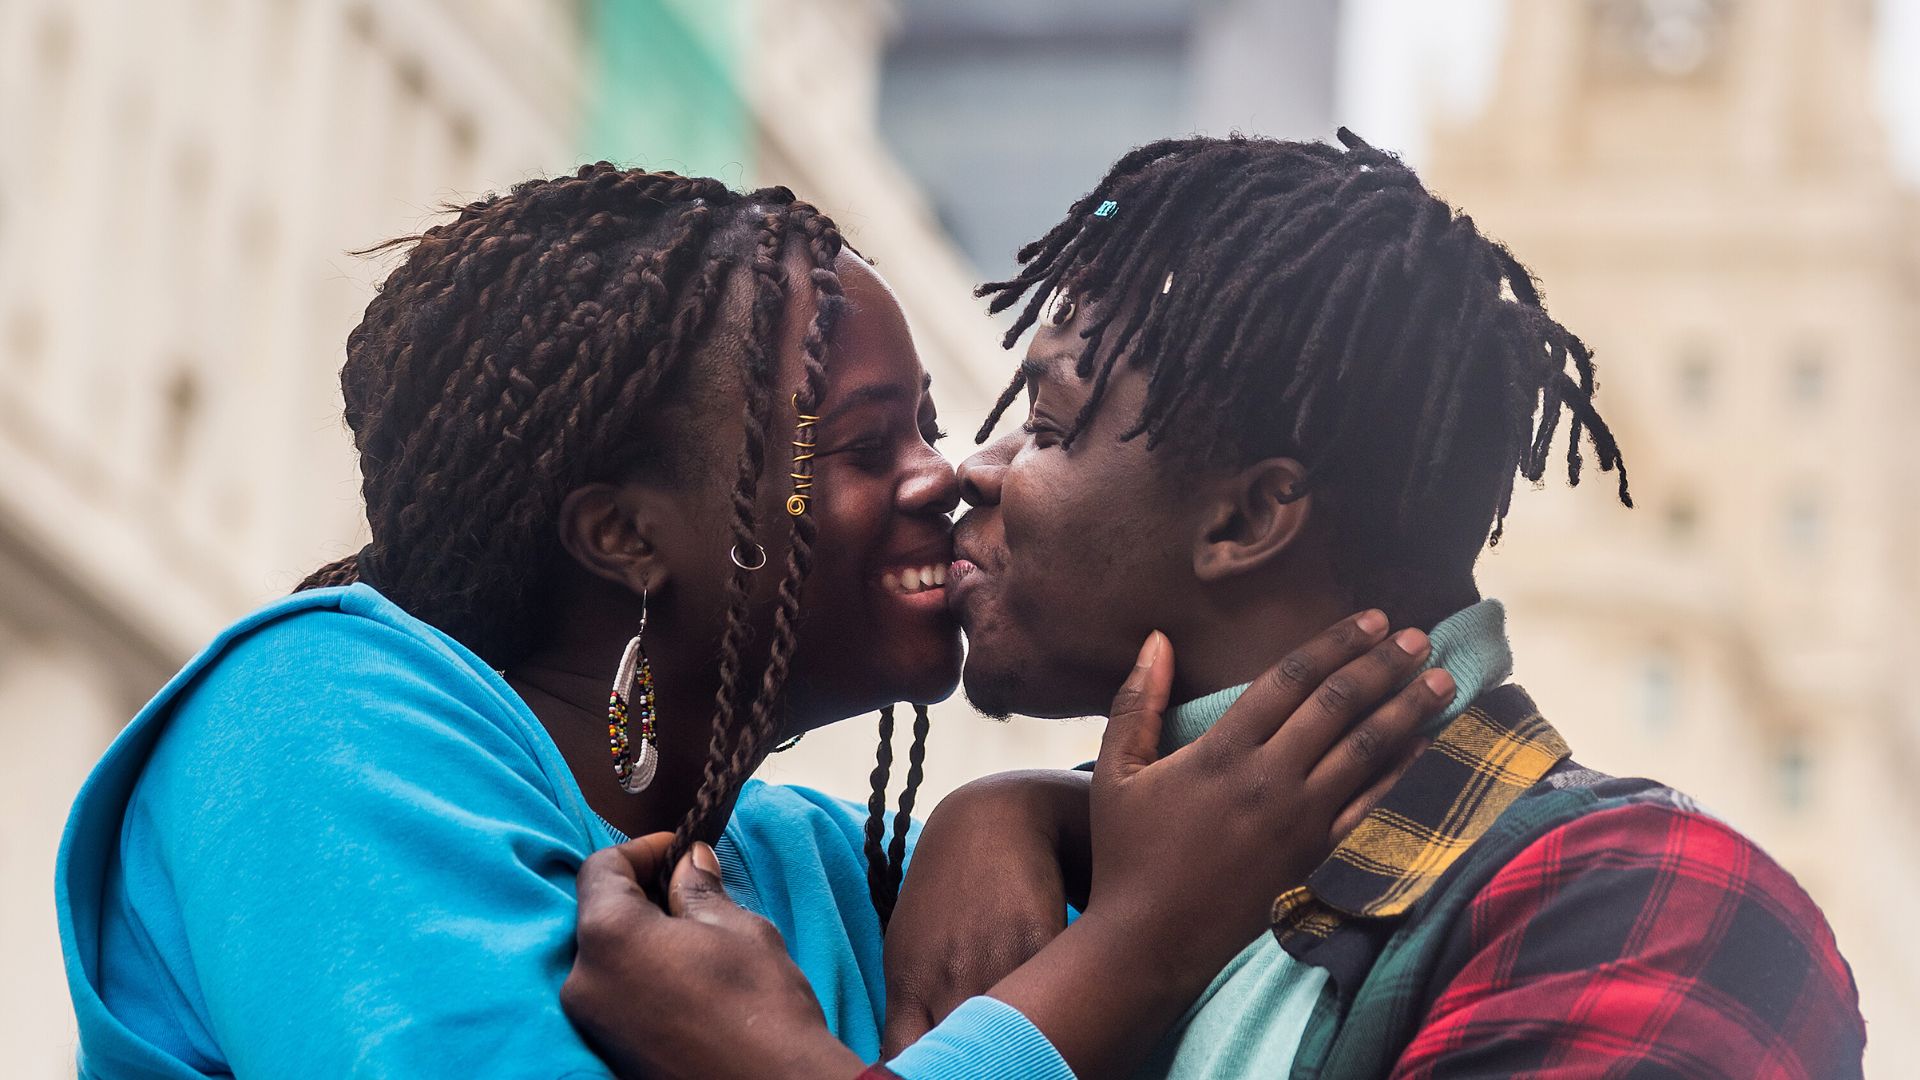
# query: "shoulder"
[[783, 811], [1655, 884], [357, 667], [1665, 850], [342, 697]]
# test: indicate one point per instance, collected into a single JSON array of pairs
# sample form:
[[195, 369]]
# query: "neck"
[[1237, 639], [1243, 630]]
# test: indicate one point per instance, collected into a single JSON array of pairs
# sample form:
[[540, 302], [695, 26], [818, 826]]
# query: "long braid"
[[903, 816], [769, 293], [887, 862], [728, 767], [1324, 306], [878, 876]]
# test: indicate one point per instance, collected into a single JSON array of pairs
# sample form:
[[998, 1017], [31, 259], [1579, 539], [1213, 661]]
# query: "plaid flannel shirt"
[[1504, 912]]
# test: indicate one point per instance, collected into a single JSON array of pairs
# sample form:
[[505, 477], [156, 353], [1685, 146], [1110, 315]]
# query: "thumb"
[[695, 890], [1132, 738]]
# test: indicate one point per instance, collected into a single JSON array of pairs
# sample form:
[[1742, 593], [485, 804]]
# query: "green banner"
[[666, 90]]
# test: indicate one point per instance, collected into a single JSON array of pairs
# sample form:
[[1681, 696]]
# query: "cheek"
[[1060, 535]]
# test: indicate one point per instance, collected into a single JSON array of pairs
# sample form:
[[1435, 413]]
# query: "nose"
[[980, 475], [930, 487]]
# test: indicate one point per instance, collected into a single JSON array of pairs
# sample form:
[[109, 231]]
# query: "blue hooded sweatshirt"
[[338, 844]]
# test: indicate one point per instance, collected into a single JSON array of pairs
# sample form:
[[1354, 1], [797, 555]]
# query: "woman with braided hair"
[[618, 426]]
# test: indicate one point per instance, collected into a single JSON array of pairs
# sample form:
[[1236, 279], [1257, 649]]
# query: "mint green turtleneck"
[[1250, 1020]]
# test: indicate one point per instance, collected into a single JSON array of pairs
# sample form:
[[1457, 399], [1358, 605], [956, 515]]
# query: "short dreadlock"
[[1322, 305], [522, 350]]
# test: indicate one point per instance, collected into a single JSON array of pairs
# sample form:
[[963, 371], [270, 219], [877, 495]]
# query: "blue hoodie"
[[337, 844]]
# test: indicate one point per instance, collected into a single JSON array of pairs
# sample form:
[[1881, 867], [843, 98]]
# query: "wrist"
[[1139, 999], [818, 1055]]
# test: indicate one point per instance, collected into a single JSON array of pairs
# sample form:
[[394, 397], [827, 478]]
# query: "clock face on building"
[[1671, 38]]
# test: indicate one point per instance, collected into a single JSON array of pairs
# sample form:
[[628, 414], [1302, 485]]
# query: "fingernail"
[[1439, 682], [704, 858], [1411, 641], [1149, 652], [1372, 622]]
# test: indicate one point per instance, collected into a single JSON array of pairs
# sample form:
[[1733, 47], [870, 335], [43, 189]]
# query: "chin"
[[931, 677], [996, 693]]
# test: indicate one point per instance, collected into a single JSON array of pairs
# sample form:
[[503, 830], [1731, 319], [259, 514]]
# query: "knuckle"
[[1341, 692], [598, 934], [1126, 701], [1294, 671], [574, 995], [766, 933], [1365, 744]]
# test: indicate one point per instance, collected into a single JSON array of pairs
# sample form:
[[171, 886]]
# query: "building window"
[[1793, 772], [1804, 523], [1696, 379], [1682, 519], [1658, 681], [1807, 379]]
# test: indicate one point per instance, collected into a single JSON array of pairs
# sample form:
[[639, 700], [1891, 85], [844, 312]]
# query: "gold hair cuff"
[[803, 445]]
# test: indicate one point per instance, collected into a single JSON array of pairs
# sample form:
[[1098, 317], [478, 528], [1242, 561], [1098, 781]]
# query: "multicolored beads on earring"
[[633, 770]]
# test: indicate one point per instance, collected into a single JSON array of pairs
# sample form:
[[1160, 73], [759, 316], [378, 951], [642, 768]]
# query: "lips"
[[918, 570]]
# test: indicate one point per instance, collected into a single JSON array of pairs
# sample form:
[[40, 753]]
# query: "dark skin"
[[1284, 775], [882, 496], [1211, 556], [712, 992], [1233, 571]]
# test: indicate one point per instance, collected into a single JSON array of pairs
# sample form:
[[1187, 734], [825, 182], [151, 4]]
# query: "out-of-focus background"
[[1718, 194]]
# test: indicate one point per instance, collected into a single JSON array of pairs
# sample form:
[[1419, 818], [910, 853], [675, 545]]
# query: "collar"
[[1471, 644], [1449, 797]]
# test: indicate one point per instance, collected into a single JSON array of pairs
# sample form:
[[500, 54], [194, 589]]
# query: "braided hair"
[[887, 859], [522, 350], [1314, 301]]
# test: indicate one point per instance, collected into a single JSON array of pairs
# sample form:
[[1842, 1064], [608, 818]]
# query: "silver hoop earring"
[[759, 552], [633, 682]]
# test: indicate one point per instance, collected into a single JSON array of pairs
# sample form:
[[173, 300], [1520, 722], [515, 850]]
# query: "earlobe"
[[606, 530], [1256, 517]]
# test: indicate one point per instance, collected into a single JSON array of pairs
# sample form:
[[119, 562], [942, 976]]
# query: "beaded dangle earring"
[[633, 684]]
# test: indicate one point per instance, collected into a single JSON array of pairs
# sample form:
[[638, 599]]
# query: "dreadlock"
[[518, 352], [1318, 302]]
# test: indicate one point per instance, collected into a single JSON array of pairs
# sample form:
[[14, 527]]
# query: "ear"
[[611, 530], [1252, 519]]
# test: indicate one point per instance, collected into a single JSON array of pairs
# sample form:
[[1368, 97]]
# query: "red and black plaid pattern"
[[1646, 940]]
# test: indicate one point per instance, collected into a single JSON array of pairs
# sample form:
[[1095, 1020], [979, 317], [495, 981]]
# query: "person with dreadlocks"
[[1268, 382], [613, 427]]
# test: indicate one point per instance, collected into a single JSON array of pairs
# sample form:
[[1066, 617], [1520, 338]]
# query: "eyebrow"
[[1035, 368], [865, 395]]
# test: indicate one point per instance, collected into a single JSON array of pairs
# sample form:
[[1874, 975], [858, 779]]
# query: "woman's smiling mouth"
[[914, 579]]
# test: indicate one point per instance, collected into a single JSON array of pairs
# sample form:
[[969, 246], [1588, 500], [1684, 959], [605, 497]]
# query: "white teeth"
[[915, 579]]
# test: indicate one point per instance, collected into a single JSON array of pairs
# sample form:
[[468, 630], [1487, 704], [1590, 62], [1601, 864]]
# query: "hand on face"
[[703, 989], [1193, 849]]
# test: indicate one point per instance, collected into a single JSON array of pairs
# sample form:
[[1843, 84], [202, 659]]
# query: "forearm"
[[1099, 997], [1053, 803]]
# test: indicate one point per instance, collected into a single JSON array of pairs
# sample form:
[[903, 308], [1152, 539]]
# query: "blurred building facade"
[[1704, 190]]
